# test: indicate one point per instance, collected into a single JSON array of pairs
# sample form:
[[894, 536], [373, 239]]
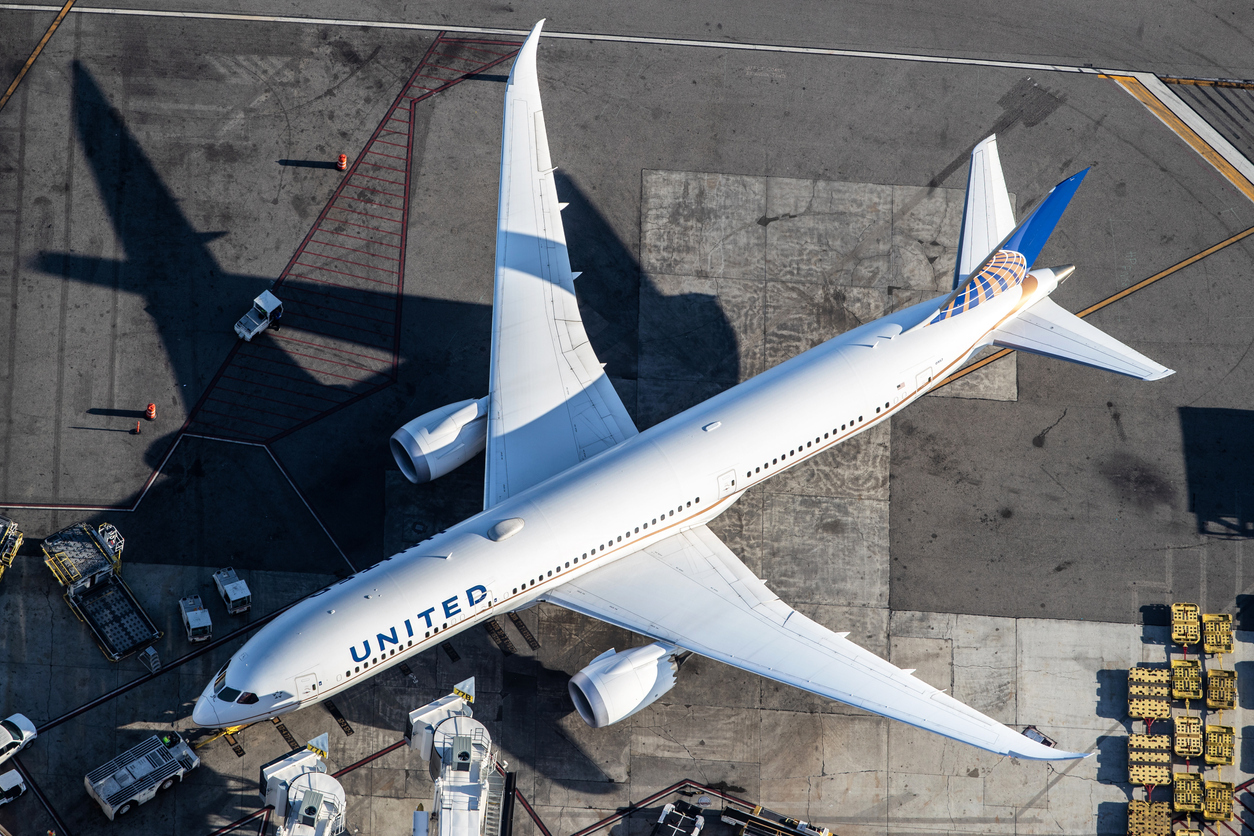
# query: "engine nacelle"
[[437, 443], [615, 686]]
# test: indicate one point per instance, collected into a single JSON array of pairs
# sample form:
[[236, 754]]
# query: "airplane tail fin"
[[987, 217], [1050, 330]]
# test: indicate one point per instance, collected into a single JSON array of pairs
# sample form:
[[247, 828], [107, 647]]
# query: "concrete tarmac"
[[1010, 536]]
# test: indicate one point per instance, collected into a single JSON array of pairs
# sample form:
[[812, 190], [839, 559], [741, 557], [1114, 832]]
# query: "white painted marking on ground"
[[1200, 126], [574, 36]]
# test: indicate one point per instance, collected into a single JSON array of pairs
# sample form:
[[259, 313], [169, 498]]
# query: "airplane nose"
[[204, 715]]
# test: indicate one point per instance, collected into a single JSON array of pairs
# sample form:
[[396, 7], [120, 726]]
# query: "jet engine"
[[616, 685], [438, 442]]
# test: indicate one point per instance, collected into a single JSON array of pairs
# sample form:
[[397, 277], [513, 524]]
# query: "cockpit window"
[[228, 694], [219, 681]]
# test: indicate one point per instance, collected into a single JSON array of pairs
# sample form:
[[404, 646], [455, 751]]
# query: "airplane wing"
[[987, 217], [690, 590], [550, 403]]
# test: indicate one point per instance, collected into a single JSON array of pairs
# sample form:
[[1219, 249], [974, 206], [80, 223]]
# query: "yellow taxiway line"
[[8, 94]]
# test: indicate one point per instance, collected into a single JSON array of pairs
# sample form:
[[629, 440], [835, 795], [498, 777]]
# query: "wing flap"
[[691, 591], [550, 404], [1050, 330]]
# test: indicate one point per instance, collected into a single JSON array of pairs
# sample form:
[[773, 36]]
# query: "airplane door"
[[307, 686], [923, 378], [727, 484]]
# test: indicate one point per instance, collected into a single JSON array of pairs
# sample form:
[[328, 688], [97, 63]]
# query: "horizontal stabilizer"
[[1047, 329]]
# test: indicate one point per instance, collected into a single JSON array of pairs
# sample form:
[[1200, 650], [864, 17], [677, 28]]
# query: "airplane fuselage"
[[682, 472]]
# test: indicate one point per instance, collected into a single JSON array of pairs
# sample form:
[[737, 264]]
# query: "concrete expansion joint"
[[666, 735], [973, 666]]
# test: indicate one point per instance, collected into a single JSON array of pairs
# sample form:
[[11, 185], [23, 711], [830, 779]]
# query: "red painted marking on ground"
[[253, 407], [372, 203], [357, 366], [342, 273], [389, 156], [340, 299], [445, 82], [381, 180], [359, 238], [354, 249], [364, 214], [388, 270], [349, 298], [347, 313], [340, 350], [281, 389], [356, 341], [300, 289], [386, 167], [360, 226]]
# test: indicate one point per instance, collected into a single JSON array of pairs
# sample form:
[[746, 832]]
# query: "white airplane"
[[584, 511]]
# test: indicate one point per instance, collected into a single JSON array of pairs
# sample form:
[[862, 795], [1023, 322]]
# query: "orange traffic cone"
[[342, 162], [137, 430], [151, 412]]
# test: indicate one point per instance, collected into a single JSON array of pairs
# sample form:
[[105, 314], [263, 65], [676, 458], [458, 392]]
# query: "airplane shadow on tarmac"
[[445, 343], [183, 287]]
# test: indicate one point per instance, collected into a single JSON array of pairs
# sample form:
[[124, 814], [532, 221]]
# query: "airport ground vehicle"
[[265, 312], [88, 563], [10, 542], [138, 774], [196, 620], [11, 786], [15, 733], [235, 592]]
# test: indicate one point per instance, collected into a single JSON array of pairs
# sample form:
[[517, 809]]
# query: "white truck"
[[266, 311], [235, 593], [138, 774], [11, 786], [196, 619]]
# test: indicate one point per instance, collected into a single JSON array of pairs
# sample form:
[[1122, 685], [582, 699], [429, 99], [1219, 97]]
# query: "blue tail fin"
[[1029, 237]]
